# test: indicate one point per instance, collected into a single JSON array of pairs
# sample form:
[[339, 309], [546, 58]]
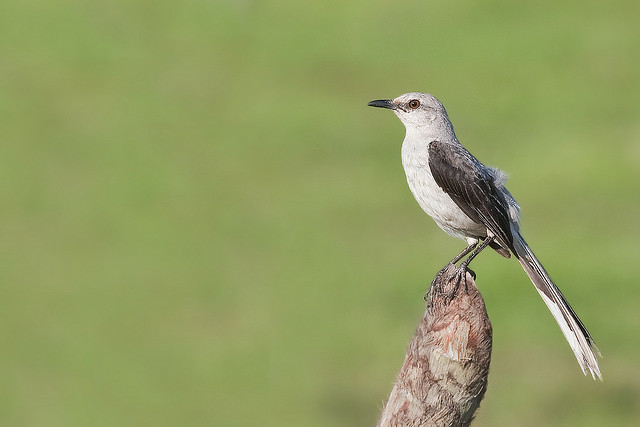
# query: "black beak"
[[383, 103]]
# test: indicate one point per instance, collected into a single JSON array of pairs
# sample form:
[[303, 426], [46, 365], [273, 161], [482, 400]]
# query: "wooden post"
[[444, 375]]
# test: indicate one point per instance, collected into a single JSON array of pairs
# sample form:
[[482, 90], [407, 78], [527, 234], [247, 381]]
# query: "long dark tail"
[[573, 329]]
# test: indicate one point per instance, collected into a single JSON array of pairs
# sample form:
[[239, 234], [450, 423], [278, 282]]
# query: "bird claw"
[[473, 273], [452, 275]]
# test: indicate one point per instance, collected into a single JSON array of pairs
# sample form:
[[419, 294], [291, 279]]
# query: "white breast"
[[431, 198]]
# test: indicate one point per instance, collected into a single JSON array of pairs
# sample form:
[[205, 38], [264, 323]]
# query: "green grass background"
[[202, 222]]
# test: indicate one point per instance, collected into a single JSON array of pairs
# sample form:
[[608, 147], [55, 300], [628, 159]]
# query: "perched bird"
[[468, 200]]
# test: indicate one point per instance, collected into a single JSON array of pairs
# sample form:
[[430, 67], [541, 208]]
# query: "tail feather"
[[573, 329]]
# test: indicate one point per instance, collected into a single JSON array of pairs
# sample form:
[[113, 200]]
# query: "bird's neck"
[[439, 129], [415, 147]]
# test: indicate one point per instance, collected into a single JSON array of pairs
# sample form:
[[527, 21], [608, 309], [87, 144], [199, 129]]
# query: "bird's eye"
[[414, 103]]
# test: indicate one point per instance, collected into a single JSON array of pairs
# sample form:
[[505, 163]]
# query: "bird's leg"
[[458, 257], [461, 272], [486, 242], [464, 252], [471, 246]]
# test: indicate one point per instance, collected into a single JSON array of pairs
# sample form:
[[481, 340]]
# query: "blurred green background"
[[204, 224]]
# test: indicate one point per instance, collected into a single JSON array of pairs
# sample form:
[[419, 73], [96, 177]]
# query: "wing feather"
[[472, 187]]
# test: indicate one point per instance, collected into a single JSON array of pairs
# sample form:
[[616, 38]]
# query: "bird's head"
[[416, 110]]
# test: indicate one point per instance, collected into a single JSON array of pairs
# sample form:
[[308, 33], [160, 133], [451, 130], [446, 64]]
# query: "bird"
[[469, 200]]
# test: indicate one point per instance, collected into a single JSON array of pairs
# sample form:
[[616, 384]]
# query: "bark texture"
[[444, 374]]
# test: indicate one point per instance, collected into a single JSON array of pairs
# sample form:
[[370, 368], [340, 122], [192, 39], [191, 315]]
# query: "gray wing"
[[472, 187]]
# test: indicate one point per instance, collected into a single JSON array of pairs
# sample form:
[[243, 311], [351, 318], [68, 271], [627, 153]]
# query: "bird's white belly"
[[435, 202]]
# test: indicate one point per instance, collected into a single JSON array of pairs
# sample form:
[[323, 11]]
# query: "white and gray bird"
[[468, 200]]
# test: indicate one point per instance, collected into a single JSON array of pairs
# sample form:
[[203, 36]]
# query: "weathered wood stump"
[[444, 375]]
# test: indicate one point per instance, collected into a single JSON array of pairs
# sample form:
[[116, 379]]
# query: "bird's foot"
[[464, 267], [461, 274], [439, 279]]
